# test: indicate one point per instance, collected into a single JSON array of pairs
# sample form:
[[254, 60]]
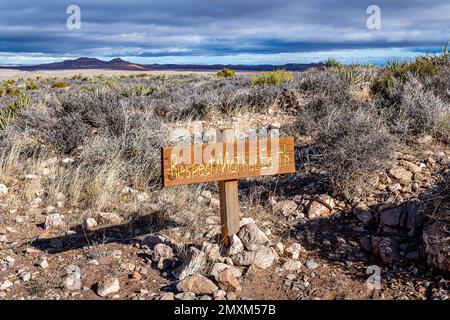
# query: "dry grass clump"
[[352, 146], [273, 77], [414, 109]]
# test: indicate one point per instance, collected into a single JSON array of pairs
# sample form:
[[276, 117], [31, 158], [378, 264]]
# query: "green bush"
[[273, 77], [226, 72]]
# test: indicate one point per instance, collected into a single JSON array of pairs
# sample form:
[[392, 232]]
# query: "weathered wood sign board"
[[227, 161]]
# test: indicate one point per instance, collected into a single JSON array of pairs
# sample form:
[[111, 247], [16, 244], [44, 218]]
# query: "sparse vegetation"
[[60, 84], [226, 73], [273, 77]]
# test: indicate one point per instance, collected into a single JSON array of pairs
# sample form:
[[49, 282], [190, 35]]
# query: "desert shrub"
[[226, 73], [319, 82], [11, 91], [10, 112], [332, 63], [351, 147], [421, 68], [60, 84], [273, 77], [414, 110], [31, 85]]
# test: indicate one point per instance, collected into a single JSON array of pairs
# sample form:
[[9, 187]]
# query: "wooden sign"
[[226, 162]]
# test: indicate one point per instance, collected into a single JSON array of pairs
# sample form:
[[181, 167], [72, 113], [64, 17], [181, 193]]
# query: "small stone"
[[166, 296], [327, 201], [6, 285], [197, 284], [245, 258], [294, 251], [215, 203], [280, 248], [3, 238], [109, 285], [292, 265], [3, 189], [402, 175], [252, 237], [317, 209], [245, 221], [110, 218], [24, 275], [53, 221], [90, 224], [286, 207], [43, 263], [391, 217], [227, 281], [365, 217], [218, 267], [191, 265], [73, 280], [212, 251], [206, 194], [311, 264], [211, 220], [20, 219], [236, 245], [128, 266], [264, 258], [185, 296], [220, 295], [410, 166], [162, 254]]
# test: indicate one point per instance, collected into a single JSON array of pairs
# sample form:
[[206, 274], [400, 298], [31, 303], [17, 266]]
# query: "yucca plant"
[[7, 115]]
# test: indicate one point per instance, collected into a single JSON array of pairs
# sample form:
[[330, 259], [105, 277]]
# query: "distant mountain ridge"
[[120, 64]]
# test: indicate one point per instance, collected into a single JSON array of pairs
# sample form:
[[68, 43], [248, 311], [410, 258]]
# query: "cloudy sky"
[[221, 31]]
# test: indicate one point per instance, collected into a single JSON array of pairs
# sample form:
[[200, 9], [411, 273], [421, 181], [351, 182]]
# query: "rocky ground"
[[297, 243]]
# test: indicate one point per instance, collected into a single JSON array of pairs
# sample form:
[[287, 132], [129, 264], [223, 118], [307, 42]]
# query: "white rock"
[[236, 245], [5, 285], [218, 267], [294, 251], [245, 221], [73, 280], [264, 258], [3, 238], [109, 285], [53, 221], [90, 224], [311, 264], [206, 194], [3, 189], [43, 263], [25, 276], [252, 237]]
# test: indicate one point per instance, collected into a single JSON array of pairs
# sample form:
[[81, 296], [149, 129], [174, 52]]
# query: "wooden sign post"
[[226, 161]]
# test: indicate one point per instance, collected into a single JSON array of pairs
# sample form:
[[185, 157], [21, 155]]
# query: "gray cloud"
[[170, 28]]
